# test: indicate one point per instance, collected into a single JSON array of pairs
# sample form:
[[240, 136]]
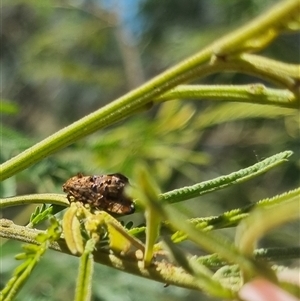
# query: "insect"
[[104, 192]]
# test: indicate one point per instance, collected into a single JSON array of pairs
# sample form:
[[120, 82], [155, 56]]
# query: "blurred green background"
[[61, 60]]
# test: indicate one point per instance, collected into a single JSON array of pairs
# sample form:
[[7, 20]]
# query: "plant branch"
[[163, 271], [10, 230], [255, 93], [279, 73], [287, 75], [141, 97], [43, 198], [261, 31]]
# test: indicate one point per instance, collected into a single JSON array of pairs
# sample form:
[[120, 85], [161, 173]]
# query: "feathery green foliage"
[[151, 150]]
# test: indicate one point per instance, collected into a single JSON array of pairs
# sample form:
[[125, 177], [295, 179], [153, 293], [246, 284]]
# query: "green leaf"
[[240, 176], [40, 214]]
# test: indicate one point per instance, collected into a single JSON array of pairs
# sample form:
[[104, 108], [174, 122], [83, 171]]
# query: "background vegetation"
[[63, 60]]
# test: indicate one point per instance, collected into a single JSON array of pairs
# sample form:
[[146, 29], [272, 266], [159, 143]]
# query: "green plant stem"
[[162, 271], [255, 93], [45, 198], [272, 20], [279, 73], [286, 75], [141, 97], [159, 271], [84, 280], [10, 230]]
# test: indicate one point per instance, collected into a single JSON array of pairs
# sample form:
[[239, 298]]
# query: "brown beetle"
[[104, 192]]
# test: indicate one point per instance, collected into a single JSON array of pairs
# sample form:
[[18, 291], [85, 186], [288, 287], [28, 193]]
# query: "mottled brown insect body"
[[105, 192]]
